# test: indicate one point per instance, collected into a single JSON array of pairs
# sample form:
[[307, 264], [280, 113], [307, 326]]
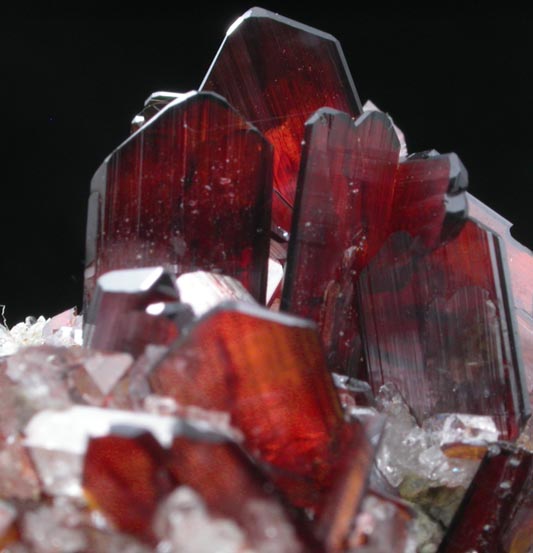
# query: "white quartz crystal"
[[183, 524]]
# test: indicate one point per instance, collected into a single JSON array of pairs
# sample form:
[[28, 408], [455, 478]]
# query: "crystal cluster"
[[297, 338]]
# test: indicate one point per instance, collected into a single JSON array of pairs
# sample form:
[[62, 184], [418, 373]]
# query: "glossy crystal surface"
[[520, 267], [119, 317], [353, 194], [189, 190], [202, 425], [286, 71], [439, 325], [346, 184], [496, 515], [262, 359]]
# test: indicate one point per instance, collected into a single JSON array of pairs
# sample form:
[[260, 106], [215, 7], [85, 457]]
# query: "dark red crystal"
[[126, 476], [353, 193], [346, 184], [520, 265], [190, 190], [233, 487], [439, 325], [347, 487], [119, 318], [277, 73], [268, 371], [496, 514]]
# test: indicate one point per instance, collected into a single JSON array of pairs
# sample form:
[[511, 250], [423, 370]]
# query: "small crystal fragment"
[[153, 105], [125, 476], [382, 525], [202, 290], [352, 392], [33, 379], [183, 524], [456, 427], [277, 73], [119, 319], [55, 528], [497, 511], [18, 479]]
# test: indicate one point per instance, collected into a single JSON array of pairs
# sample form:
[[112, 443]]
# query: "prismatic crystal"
[[297, 338]]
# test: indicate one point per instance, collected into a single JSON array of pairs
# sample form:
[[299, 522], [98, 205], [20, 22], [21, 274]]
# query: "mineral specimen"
[[371, 417]]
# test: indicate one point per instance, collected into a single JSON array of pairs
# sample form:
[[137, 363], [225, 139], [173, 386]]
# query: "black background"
[[454, 78]]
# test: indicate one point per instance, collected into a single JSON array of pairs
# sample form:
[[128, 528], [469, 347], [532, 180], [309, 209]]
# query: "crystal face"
[[443, 318], [353, 193], [286, 72], [520, 267], [119, 316], [497, 512], [369, 418], [260, 358], [190, 190]]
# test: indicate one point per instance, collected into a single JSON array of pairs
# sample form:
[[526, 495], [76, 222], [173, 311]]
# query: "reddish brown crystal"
[[190, 190], [346, 184], [277, 73], [520, 264], [439, 325], [232, 486], [346, 490], [119, 317], [352, 195], [125, 476], [496, 515], [268, 371]]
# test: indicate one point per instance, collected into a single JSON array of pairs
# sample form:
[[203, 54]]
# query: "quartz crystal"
[[369, 415], [286, 72], [191, 189]]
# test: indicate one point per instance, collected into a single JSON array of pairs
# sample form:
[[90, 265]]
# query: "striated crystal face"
[[439, 326], [260, 359], [190, 190], [353, 194], [496, 514], [286, 71], [196, 418], [520, 267]]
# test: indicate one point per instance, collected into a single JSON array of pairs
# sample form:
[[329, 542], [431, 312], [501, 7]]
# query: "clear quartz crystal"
[[411, 457], [31, 379], [183, 524], [63, 329], [55, 528]]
